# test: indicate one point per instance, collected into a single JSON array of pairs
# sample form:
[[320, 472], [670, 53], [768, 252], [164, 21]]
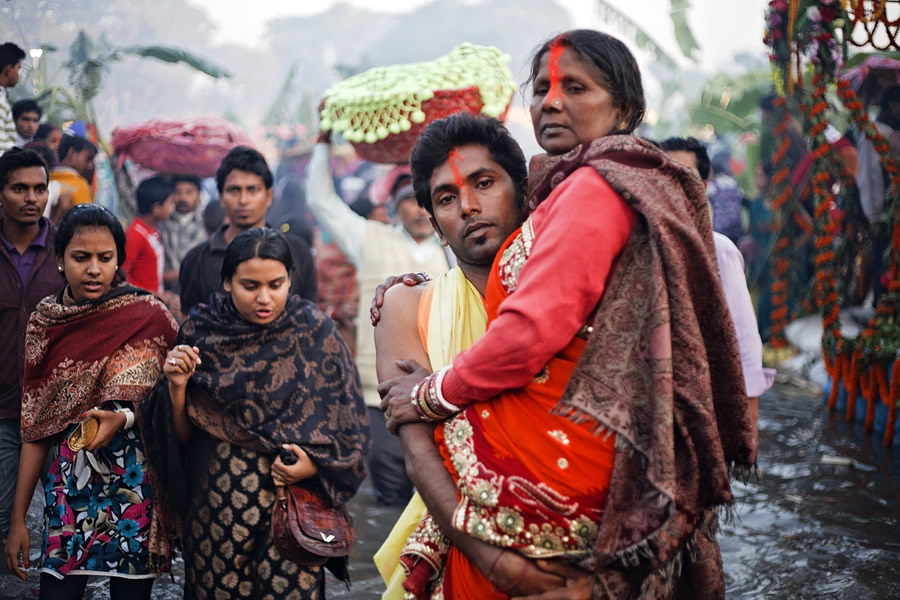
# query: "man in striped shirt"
[[11, 57]]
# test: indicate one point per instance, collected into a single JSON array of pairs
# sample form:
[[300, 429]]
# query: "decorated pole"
[[808, 41]]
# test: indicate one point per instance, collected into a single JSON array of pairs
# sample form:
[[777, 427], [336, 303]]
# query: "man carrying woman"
[[596, 421]]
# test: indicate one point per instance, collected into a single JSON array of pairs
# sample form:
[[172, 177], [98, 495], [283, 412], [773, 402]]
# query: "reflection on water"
[[810, 529], [806, 530]]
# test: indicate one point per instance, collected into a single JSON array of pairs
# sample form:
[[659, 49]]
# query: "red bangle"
[[494, 564]]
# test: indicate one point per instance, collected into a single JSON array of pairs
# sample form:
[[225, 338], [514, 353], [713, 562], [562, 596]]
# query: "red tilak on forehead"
[[453, 159], [556, 50]]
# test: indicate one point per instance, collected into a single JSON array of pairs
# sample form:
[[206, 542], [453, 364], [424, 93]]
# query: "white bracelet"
[[129, 416], [437, 388]]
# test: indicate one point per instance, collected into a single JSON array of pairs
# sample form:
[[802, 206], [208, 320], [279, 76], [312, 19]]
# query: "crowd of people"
[[558, 375]]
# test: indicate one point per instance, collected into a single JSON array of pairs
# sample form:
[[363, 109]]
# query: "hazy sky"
[[722, 27]]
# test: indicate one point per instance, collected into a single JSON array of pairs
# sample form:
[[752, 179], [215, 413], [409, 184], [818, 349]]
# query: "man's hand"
[[410, 279], [324, 137], [513, 574], [579, 584], [396, 399]]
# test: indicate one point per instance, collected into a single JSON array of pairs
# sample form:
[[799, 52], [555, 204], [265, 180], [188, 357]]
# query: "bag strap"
[[281, 496]]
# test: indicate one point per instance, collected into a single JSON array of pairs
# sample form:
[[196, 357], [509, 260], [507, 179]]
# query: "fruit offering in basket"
[[383, 110]]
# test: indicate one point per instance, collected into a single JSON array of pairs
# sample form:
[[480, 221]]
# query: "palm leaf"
[[89, 77], [279, 111], [171, 54], [641, 38], [82, 49], [683, 34], [723, 120]]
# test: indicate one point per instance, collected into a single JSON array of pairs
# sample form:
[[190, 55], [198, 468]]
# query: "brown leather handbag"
[[306, 530]]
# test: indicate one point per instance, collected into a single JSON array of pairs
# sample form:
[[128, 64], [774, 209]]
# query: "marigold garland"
[[797, 29], [780, 264]]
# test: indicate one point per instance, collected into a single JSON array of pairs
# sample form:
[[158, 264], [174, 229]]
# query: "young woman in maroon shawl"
[[95, 350], [256, 372], [660, 372]]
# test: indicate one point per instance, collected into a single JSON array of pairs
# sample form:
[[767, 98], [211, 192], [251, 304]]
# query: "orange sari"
[[528, 480]]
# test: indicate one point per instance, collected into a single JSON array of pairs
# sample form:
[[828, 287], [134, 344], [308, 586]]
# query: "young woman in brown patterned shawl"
[[95, 350], [660, 374], [255, 372]]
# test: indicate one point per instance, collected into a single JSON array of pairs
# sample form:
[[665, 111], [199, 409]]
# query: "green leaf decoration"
[[630, 28], [171, 54], [683, 33]]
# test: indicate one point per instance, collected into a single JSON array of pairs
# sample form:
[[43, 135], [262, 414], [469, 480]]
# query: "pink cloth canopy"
[[186, 147]]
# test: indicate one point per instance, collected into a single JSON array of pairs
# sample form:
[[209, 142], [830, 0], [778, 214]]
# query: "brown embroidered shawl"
[[82, 355], [662, 367]]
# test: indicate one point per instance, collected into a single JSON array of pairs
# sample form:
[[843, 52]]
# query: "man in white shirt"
[[11, 57], [377, 250], [691, 152]]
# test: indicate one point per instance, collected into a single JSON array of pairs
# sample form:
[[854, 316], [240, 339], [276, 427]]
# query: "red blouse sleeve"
[[579, 230]]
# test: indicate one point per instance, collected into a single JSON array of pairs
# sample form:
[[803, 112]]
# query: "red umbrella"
[[188, 147]]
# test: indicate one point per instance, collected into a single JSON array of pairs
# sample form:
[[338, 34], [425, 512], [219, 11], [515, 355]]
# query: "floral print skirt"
[[98, 509]]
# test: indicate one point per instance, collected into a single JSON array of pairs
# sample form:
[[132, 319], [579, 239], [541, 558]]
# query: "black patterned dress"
[[228, 543]]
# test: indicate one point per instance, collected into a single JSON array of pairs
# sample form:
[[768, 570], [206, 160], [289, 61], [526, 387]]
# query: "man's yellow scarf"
[[456, 319]]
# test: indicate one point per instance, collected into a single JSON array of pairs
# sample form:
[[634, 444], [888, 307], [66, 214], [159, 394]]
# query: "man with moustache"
[[28, 273], [245, 192], [183, 229]]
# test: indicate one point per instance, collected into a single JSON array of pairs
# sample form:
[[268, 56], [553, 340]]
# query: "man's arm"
[[397, 338], [345, 227]]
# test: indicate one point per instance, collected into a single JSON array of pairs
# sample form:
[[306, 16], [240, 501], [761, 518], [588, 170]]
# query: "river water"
[[808, 529]]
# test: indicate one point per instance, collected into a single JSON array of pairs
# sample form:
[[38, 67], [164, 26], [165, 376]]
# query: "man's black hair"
[[23, 106], [767, 102], [889, 96], [15, 159], [242, 158], [213, 216], [45, 152], [441, 137], [689, 144], [73, 142], [10, 54], [195, 181], [152, 191]]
